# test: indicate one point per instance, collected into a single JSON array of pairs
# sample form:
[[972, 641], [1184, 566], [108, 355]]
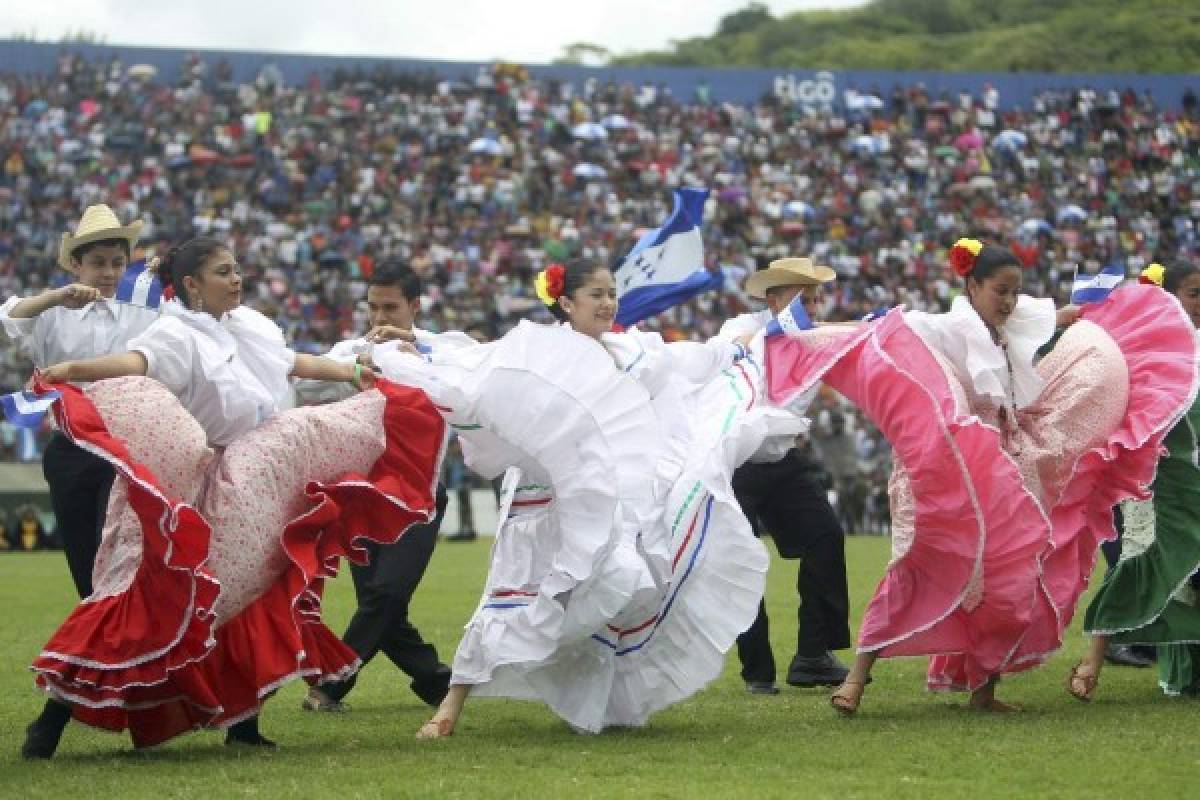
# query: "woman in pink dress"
[[228, 513], [1006, 466]]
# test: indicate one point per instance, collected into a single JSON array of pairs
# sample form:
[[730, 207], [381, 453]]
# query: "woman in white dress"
[[623, 569]]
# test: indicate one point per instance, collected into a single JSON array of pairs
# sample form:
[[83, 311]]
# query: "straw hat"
[[98, 223], [787, 272]]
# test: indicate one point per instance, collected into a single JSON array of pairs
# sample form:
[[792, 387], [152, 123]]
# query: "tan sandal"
[[844, 702], [1089, 683], [436, 729]]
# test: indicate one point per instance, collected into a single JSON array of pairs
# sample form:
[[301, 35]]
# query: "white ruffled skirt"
[[623, 569]]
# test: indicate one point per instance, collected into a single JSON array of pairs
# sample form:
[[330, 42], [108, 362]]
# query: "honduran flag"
[[666, 266], [792, 319], [1094, 288], [26, 409], [139, 286]]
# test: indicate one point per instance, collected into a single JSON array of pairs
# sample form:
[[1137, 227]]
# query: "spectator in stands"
[[26, 531]]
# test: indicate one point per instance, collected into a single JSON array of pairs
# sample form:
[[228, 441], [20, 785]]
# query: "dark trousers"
[[79, 486], [384, 588], [785, 499]]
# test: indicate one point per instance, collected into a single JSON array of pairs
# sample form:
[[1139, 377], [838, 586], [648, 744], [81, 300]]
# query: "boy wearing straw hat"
[[778, 492], [80, 320]]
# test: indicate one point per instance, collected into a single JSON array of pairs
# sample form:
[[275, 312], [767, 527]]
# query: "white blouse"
[[961, 336], [231, 374]]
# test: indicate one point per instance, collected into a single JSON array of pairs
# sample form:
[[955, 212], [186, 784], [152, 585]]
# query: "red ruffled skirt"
[[209, 575]]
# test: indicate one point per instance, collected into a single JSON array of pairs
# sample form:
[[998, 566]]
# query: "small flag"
[[1094, 288], [792, 319], [666, 266], [140, 286], [876, 313], [26, 409]]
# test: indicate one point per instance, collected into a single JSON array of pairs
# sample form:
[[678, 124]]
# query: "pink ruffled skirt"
[[996, 531]]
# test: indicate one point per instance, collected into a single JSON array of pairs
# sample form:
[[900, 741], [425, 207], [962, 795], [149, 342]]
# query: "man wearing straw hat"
[[779, 493], [77, 321]]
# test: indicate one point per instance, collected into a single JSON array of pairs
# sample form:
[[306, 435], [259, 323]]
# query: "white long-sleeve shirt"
[[59, 334]]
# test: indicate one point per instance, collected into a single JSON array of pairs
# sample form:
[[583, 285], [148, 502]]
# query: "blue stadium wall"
[[809, 87]]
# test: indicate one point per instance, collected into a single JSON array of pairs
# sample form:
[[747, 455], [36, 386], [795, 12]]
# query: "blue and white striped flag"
[[26, 409], [792, 319], [666, 266], [140, 286], [1094, 288], [876, 313]]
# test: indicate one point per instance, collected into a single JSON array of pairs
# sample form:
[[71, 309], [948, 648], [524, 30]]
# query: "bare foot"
[[984, 699]]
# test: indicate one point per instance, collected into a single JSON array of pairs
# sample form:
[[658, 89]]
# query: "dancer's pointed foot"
[[845, 700], [1082, 682], [436, 728]]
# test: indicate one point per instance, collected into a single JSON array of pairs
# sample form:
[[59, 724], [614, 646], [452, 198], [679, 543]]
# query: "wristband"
[[740, 352], [357, 379]]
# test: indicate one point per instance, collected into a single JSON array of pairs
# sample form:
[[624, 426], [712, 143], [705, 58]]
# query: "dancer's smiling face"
[[592, 307], [995, 296]]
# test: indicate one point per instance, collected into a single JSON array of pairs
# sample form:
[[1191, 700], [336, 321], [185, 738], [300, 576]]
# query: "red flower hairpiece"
[[550, 282], [963, 254]]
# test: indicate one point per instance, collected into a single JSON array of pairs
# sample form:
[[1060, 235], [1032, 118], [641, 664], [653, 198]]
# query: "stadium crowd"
[[477, 183]]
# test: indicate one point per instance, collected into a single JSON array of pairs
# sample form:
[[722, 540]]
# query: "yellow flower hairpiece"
[[963, 255], [549, 283], [1155, 273]]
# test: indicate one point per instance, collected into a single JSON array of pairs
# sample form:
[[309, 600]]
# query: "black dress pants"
[[79, 486], [384, 589], [785, 498]]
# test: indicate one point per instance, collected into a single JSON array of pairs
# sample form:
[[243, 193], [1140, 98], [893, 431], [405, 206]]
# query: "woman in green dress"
[[1152, 595]]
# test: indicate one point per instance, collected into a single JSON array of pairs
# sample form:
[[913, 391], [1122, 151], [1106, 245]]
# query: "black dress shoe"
[[822, 670], [762, 687], [462, 536], [1124, 655], [40, 740], [254, 740], [245, 734]]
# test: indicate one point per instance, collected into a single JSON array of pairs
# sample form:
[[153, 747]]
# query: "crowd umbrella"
[[1009, 140], [1033, 227], [485, 146], [616, 122], [589, 131], [865, 144], [1071, 213], [797, 208], [587, 171], [864, 102]]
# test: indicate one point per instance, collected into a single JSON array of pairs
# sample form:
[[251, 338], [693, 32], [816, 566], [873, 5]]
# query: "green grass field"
[[1131, 742]]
